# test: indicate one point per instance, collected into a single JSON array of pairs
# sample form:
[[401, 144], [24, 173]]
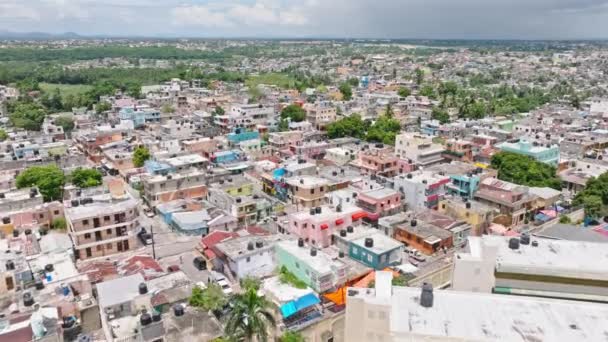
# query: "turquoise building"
[[239, 135], [158, 168], [548, 154], [377, 251], [463, 185]]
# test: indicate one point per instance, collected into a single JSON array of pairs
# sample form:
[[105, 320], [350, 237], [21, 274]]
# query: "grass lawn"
[[65, 89], [280, 80]]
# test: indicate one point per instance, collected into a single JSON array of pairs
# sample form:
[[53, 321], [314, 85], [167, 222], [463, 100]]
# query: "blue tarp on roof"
[[299, 304], [278, 173]]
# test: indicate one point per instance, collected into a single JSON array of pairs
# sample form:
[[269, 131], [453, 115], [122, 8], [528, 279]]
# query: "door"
[[125, 245], [10, 283], [89, 253], [97, 236], [119, 246]]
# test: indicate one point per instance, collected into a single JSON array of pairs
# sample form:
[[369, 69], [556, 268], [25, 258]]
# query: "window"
[[56, 212], [85, 222], [99, 248], [355, 250], [109, 231], [297, 265], [312, 191], [321, 189], [370, 258], [106, 218], [87, 236], [41, 215], [109, 246]]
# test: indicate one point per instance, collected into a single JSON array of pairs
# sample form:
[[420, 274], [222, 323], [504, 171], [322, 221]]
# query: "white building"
[[389, 313], [250, 255], [419, 148], [540, 267]]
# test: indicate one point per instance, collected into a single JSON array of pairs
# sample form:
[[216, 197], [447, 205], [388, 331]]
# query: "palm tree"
[[251, 317]]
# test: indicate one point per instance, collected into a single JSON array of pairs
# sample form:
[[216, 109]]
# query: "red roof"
[[144, 264], [216, 237], [257, 230]]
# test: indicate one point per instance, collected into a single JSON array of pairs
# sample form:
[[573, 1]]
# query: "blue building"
[[139, 116], [376, 250], [430, 127], [239, 135], [463, 185], [157, 168], [226, 157]]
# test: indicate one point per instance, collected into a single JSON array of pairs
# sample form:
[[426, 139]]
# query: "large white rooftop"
[[563, 258], [322, 263], [468, 316]]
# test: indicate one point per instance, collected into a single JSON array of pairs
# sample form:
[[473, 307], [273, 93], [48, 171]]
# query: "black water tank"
[[178, 310], [6, 220], [250, 246], [318, 210], [49, 268], [514, 243], [28, 232], [312, 211], [15, 233], [409, 176], [369, 242], [350, 229], [426, 298], [414, 223], [39, 284], [143, 288], [259, 244], [156, 317], [468, 205], [145, 319], [341, 254], [342, 232], [534, 243], [313, 251], [75, 203], [524, 239], [28, 299], [300, 242]]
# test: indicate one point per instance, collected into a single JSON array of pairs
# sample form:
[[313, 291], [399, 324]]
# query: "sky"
[[432, 19]]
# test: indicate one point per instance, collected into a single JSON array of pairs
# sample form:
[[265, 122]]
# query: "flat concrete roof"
[[468, 316], [562, 258]]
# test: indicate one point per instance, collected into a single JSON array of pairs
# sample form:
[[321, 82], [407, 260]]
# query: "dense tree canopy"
[[66, 122], [140, 155], [212, 298], [594, 197], [27, 115], [293, 112], [3, 135], [440, 114], [346, 91], [404, 92], [384, 130], [49, 180], [524, 170], [351, 126], [86, 178]]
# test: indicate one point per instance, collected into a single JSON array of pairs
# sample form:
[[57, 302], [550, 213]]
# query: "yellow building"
[[478, 215]]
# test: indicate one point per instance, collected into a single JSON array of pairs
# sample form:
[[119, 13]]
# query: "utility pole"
[[153, 241]]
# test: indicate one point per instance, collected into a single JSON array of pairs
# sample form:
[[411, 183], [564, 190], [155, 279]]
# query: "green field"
[[65, 89], [280, 80]]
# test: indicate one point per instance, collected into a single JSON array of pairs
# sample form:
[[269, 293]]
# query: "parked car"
[[148, 212], [145, 237], [200, 263], [415, 257]]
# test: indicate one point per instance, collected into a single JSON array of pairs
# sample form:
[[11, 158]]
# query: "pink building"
[[379, 202], [317, 225]]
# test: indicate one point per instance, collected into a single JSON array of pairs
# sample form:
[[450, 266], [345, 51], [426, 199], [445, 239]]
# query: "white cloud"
[[17, 11], [199, 16]]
